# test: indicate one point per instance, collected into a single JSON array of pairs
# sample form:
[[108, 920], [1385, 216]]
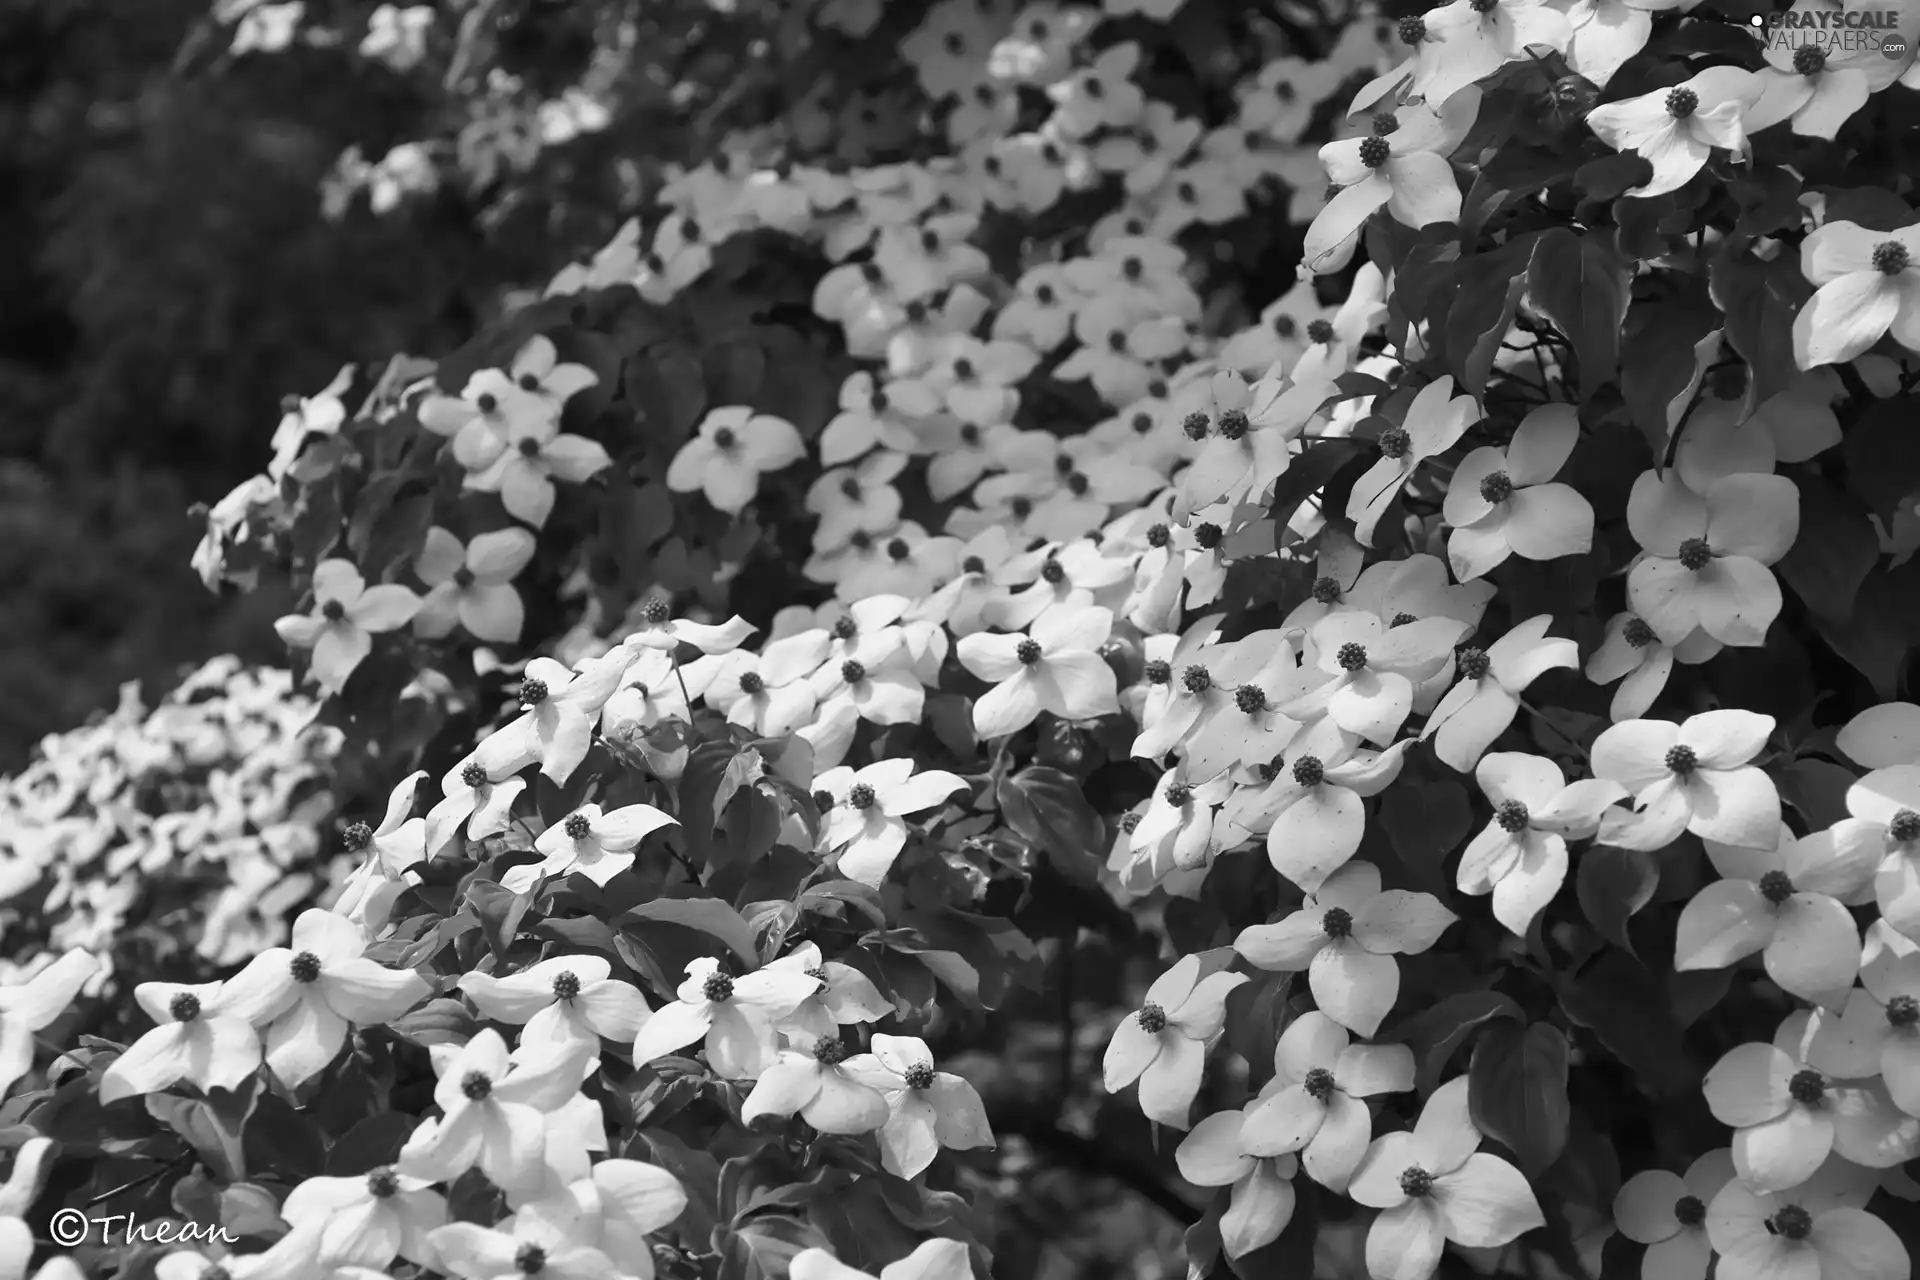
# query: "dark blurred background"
[[166, 277]]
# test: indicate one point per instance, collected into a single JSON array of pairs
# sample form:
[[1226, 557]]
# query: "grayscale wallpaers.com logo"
[[1832, 31]]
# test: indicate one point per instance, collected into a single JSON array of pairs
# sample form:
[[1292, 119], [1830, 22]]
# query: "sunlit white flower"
[[1164, 1043], [347, 614], [1433, 1185]]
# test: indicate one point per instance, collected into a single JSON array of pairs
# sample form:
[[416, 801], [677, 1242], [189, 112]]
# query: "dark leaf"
[[1437, 1032], [1517, 1090], [1832, 555], [1613, 884], [1581, 284]]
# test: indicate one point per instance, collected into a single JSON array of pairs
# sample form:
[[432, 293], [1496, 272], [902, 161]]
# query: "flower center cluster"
[[1791, 1222], [1052, 573], [305, 967], [533, 692], [1890, 257], [578, 826], [1412, 30], [830, 1052], [1028, 652], [1682, 103], [382, 1183], [751, 682], [1905, 827], [474, 776], [1903, 1011], [1208, 535], [1681, 759], [1233, 424], [531, 1259], [898, 549], [1416, 1182], [333, 611], [1178, 794], [1474, 663], [1689, 1211], [1375, 151], [1308, 771], [1637, 633], [1250, 698], [718, 987], [823, 800], [1512, 816], [476, 1085], [1326, 590], [1807, 1087], [1158, 535], [1129, 822], [860, 796], [357, 836], [1695, 554], [973, 564], [1809, 61], [185, 1007], [724, 439], [1351, 656], [1319, 1083], [1395, 443], [1776, 887], [1195, 425], [1152, 1018], [1159, 671], [920, 1076], [1197, 679], [852, 672], [1497, 487], [1384, 123], [1337, 923]]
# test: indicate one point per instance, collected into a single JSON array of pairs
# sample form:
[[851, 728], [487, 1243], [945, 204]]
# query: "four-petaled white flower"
[[843, 994], [1315, 1102], [1433, 423], [1262, 1201], [1521, 856], [309, 995], [472, 585], [1484, 703], [199, 1039], [369, 1220], [1788, 904], [347, 613], [866, 824], [733, 447], [929, 1109], [1056, 667], [811, 1078], [1345, 937], [1676, 130], [521, 464], [1633, 654], [734, 1016], [493, 1108], [1163, 1044], [1818, 1229], [1668, 1213], [1707, 555], [1696, 776], [1433, 1185], [599, 845], [562, 998], [1864, 287], [1504, 502]]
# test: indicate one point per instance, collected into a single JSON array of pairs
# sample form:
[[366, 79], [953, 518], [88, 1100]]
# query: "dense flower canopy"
[[872, 585]]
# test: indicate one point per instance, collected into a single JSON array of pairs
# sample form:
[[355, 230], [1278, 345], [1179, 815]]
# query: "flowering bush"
[[871, 615]]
